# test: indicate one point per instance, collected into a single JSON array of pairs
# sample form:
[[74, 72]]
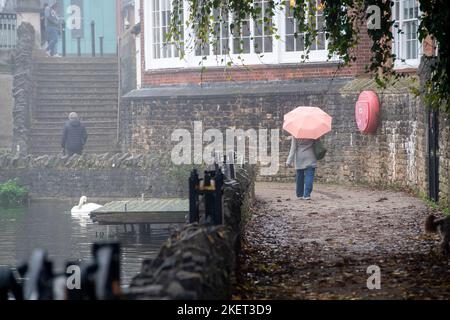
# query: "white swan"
[[84, 208]]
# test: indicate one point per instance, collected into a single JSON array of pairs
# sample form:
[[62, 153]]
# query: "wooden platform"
[[154, 211]]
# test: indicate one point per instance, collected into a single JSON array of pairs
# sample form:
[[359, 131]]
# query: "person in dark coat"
[[74, 136]]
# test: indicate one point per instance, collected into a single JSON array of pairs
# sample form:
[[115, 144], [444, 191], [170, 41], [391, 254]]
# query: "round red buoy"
[[367, 112]]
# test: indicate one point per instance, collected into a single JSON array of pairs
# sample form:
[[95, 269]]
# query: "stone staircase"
[[87, 86]]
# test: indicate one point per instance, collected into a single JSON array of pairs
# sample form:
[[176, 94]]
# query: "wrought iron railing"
[[8, 31]]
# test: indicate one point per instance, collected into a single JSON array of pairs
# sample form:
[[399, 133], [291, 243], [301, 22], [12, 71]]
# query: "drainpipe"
[[119, 88]]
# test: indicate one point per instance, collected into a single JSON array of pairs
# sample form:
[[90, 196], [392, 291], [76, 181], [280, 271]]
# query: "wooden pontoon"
[[154, 211]]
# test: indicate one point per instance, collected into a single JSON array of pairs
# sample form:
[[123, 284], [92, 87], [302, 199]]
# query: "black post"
[[101, 46], [194, 215], [218, 216], [208, 197], [433, 155], [79, 46], [93, 37], [107, 280], [63, 38]]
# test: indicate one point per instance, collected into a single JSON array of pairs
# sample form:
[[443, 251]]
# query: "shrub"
[[12, 195]]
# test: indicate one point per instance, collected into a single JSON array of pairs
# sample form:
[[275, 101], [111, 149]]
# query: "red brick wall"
[[255, 72]]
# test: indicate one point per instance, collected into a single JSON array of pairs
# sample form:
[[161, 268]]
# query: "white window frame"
[[150, 61], [295, 56], [251, 58], [279, 55], [137, 14], [399, 47]]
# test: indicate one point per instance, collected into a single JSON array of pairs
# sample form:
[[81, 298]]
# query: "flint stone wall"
[[23, 87], [199, 262], [444, 144], [96, 176]]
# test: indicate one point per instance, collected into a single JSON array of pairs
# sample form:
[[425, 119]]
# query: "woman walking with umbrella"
[[306, 125]]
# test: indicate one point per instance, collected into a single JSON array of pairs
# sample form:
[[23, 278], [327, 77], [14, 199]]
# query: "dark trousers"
[[52, 38], [305, 182], [72, 152]]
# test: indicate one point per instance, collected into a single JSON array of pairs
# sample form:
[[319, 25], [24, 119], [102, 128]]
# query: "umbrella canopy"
[[307, 123]]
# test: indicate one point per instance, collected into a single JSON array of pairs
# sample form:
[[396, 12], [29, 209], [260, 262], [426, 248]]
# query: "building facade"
[[265, 57]]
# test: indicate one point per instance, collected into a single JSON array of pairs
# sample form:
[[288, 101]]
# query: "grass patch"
[[12, 195]]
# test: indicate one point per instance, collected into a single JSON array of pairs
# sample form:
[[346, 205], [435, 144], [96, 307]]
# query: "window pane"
[[290, 41], [406, 45], [258, 42], [268, 44], [296, 41], [160, 25]]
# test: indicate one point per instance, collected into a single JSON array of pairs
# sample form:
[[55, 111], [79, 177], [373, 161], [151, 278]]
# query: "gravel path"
[[321, 249]]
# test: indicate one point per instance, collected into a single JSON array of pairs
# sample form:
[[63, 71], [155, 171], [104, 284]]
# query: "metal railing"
[[8, 31], [78, 39]]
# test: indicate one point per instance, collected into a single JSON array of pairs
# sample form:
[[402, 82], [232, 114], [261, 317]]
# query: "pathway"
[[321, 249]]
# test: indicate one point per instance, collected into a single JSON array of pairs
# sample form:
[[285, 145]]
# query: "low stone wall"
[[199, 262], [96, 176]]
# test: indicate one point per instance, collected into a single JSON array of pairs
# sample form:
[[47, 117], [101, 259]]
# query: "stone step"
[[47, 90], [87, 150], [88, 86], [74, 77], [87, 124], [76, 60], [101, 82], [61, 118], [36, 131], [77, 73], [39, 66], [76, 97], [96, 135], [77, 85], [86, 109], [75, 103]]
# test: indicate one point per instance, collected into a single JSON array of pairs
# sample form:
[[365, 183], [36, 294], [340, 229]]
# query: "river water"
[[50, 226]]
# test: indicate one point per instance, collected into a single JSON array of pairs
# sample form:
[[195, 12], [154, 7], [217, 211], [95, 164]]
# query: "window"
[[294, 40], [407, 46], [263, 40], [250, 44], [219, 38], [163, 53]]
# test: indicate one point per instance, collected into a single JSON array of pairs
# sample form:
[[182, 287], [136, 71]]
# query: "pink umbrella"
[[307, 123]]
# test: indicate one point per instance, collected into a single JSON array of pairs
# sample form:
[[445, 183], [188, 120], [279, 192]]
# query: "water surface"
[[50, 226]]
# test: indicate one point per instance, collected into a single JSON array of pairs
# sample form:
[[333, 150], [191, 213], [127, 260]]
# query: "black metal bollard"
[[79, 46], [210, 188], [93, 37], [39, 277], [194, 212], [101, 46], [63, 38], [107, 279], [218, 193], [9, 285]]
